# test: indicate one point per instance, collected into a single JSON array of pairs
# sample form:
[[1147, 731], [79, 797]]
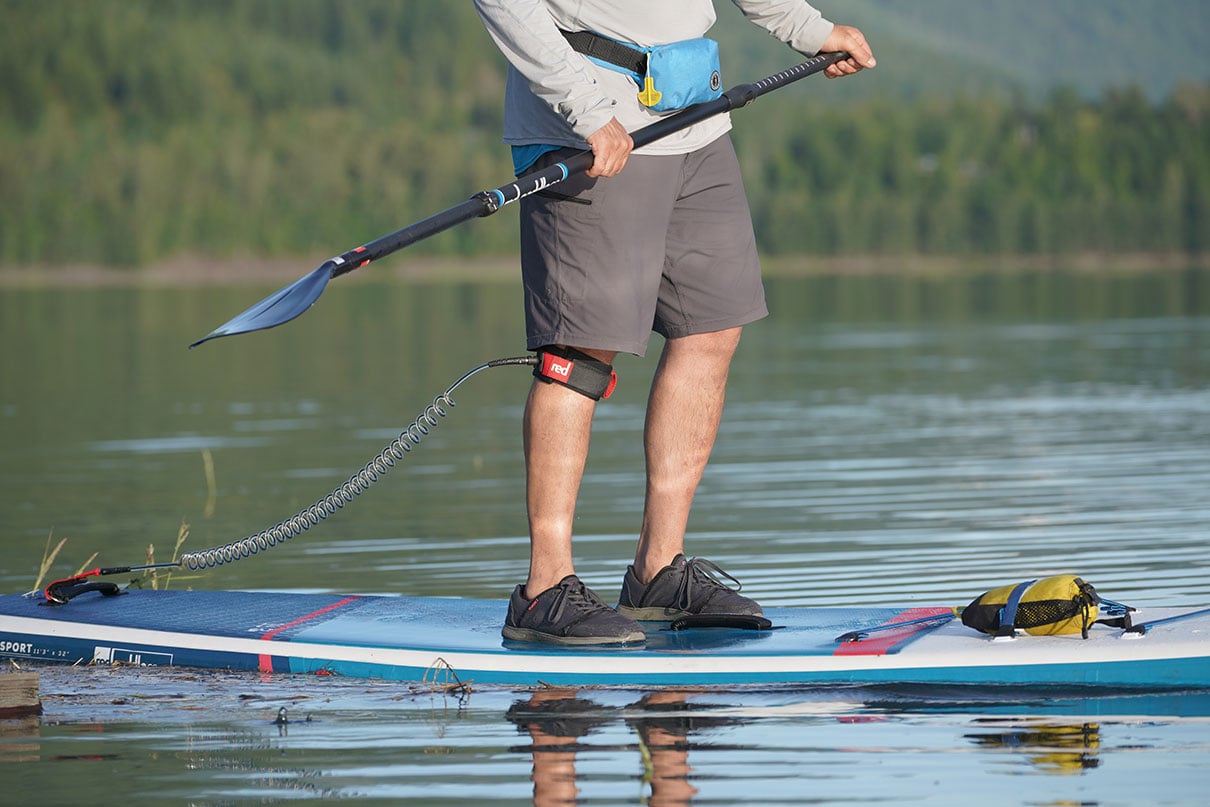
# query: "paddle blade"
[[281, 306]]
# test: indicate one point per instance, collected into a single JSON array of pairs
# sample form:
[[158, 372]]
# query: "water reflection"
[[19, 739], [557, 722], [248, 757], [1060, 748], [217, 738], [665, 730]]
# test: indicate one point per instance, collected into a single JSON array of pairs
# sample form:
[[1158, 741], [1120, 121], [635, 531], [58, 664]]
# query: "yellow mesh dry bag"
[[1050, 606]]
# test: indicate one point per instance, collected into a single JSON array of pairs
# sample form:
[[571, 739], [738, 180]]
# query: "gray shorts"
[[664, 246]]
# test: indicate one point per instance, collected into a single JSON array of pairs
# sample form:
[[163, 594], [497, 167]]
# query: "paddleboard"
[[458, 640]]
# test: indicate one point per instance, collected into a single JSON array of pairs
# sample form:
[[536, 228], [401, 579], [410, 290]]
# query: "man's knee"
[[577, 370]]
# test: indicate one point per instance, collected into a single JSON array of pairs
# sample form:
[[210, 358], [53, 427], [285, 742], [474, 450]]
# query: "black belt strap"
[[607, 50]]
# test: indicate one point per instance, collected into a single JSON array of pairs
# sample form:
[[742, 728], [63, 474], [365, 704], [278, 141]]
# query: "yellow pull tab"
[[649, 95]]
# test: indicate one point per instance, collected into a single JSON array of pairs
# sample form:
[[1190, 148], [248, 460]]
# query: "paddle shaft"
[[291, 301], [485, 203]]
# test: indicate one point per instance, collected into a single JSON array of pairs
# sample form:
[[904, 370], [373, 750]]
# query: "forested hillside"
[[134, 130], [1087, 45]]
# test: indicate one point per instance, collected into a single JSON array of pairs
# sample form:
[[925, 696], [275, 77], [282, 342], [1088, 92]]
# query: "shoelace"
[[704, 572], [578, 594]]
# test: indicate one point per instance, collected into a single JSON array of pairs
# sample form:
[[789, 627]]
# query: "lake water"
[[888, 440]]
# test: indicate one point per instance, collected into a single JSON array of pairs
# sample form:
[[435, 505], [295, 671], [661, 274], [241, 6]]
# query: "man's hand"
[[848, 38], [611, 146]]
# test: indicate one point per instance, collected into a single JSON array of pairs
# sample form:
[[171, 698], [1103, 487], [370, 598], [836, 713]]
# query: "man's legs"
[[602, 270], [557, 425], [683, 414]]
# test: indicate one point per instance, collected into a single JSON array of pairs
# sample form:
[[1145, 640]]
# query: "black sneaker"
[[569, 613], [687, 587]]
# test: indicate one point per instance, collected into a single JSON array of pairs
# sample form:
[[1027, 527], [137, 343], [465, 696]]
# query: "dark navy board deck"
[[419, 638]]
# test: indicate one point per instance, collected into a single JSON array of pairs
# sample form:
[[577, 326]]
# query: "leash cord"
[[354, 486]]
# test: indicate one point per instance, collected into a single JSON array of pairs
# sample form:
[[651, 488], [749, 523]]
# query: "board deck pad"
[[415, 638]]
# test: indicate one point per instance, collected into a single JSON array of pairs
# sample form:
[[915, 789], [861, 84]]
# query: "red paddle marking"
[[265, 663], [882, 642]]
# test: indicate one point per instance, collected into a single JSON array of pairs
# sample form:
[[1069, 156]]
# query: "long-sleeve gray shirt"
[[556, 96]]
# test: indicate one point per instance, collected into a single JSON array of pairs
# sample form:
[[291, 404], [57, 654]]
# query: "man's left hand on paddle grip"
[[611, 146]]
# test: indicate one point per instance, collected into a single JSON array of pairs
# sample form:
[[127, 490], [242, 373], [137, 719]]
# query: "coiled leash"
[[60, 591]]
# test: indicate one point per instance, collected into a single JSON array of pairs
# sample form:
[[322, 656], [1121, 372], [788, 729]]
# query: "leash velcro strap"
[[577, 370], [607, 50], [59, 592], [739, 621]]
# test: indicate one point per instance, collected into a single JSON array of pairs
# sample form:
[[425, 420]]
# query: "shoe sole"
[[651, 614], [528, 635], [663, 614]]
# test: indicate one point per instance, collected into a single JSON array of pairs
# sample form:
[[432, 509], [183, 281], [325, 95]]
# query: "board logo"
[[17, 648], [123, 655], [557, 367]]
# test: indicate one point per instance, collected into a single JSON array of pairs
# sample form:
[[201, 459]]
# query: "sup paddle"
[[286, 304]]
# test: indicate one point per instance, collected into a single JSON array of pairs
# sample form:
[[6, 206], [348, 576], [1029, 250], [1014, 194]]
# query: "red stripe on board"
[[265, 663], [883, 642]]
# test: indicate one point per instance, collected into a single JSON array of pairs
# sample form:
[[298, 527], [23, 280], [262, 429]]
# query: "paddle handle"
[[738, 96], [488, 202]]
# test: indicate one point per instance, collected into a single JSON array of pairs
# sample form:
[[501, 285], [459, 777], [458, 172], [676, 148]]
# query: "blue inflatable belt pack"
[[681, 74], [670, 77]]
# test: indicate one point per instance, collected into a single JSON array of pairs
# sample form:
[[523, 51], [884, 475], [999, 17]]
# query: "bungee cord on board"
[[60, 591]]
